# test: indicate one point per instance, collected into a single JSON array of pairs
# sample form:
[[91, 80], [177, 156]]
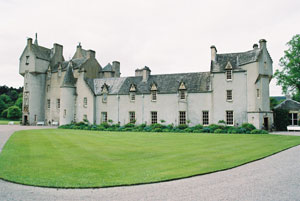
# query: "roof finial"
[[36, 40]]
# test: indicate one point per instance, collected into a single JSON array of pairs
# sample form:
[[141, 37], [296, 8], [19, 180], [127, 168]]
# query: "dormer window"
[[27, 60], [153, 92], [104, 93], [182, 91], [228, 71], [132, 91]]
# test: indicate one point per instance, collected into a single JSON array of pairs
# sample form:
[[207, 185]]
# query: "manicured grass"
[[5, 122], [75, 158]]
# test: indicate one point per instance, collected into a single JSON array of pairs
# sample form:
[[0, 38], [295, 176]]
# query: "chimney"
[[213, 53], [29, 42], [91, 54], [138, 72], [146, 73], [116, 68], [262, 43], [57, 54], [255, 46]]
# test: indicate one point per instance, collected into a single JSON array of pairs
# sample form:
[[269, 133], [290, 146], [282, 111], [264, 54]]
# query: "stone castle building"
[[236, 90]]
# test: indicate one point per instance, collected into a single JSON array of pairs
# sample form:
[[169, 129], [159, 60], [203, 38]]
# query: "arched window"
[[132, 92], [105, 88]]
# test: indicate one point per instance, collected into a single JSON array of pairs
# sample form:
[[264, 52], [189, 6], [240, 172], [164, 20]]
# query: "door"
[[266, 123], [25, 120]]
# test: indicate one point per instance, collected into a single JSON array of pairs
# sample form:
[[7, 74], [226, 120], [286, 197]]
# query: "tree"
[[289, 77], [19, 102], [14, 112]]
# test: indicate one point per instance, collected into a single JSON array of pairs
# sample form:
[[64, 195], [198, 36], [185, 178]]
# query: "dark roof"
[[288, 105], [41, 52], [166, 83], [108, 68], [75, 62], [278, 98], [69, 80], [235, 59]]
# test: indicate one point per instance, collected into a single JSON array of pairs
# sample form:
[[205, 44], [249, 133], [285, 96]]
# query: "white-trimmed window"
[[182, 94], [132, 96], [205, 117], [48, 103], [103, 117], [182, 117], [153, 117], [85, 102], [58, 103], [293, 117], [229, 117], [153, 95], [229, 95], [132, 117], [228, 74]]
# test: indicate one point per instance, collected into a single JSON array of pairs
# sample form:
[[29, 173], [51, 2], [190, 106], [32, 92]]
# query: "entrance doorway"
[[266, 123], [25, 120]]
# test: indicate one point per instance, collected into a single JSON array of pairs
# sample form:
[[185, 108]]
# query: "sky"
[[168, 36]]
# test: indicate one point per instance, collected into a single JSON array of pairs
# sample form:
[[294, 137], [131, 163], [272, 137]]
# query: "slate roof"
[[69, 80], [166, 83], [75, 62], [289, 105], [108, 68], [236, 60], [41, 52]]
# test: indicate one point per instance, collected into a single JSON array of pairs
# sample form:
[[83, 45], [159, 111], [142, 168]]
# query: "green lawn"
[[5, 122], [75, 158]]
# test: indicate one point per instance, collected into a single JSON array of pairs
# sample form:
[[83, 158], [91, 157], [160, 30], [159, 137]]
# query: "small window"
[[132, 96], [35, 118], [48, 103], [27, 60], [293, 117], [58, 103], [182, 117], [103, 117], [182, 94], [85, 102], [154, 117], [74, 117], [229, 117], [257, 93], [228, 75], [205, 117], [229, 95], [65, 112], [104, 98], [132, 117], [154, 95]]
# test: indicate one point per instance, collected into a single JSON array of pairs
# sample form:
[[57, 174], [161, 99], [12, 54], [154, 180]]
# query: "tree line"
[[11, 100]]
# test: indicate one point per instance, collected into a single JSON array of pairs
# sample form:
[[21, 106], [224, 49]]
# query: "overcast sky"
[[169, 36]]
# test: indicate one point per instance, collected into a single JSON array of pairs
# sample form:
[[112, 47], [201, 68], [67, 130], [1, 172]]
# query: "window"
[[35, 118], [182, 94], [257, 93], [293, 117], [132, 96], [228, 75], [58, 103], [48, 103], [205, 118], [103, 117], [229, 95], [229, 117], [27, 60], [153, 95], [65, 112], [132, 117], [85, 102], [154, 117], [104, 98], [182, 117]]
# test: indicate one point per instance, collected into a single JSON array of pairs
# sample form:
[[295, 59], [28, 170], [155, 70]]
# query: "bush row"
[[213, 128]]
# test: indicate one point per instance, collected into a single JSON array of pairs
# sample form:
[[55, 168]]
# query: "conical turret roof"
[[69, 80]]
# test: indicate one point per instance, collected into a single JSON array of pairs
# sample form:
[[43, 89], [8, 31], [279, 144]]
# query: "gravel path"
[[274, 178]]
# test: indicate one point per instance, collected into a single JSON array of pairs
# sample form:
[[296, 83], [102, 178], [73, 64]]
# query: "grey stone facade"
[[236, 90]]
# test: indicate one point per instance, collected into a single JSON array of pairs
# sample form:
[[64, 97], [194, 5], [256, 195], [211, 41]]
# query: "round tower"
[[67, 94]]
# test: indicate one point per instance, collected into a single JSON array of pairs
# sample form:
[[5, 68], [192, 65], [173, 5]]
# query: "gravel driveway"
[[274, 178]]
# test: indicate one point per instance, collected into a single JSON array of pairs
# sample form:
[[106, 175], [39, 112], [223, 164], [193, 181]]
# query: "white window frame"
[[229, 74], [103, 117], [154, 117], [228, 118], [229, 95], [182, 94], [85, 102], [58, 103], [132, 117], [154, 95], [205, 117], [182, 117], [132, 96], [292, 119], [48, 103]]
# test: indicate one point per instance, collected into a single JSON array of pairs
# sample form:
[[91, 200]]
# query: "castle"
[[235, 90]]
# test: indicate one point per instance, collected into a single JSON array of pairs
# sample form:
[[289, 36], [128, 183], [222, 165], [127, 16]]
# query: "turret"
[[67, 95]]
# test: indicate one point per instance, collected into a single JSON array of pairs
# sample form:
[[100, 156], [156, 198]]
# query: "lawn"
[[75, 158], [5, 122]]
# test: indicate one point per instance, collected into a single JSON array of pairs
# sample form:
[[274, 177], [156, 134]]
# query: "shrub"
[[248, 126], [153, 126], [257, 131], [182, 126], [219, 131], [198, 127], [281, 119], [14, 112], [129, 125], [188, 130], [157, 130], [213, 127], [207, 130], [4, 113]]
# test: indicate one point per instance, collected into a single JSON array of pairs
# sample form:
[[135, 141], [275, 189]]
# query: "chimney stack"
[[116, 68], [262, 43], [91, 54], [213, 53], [255, 46], [29, 42], [146, 73]]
